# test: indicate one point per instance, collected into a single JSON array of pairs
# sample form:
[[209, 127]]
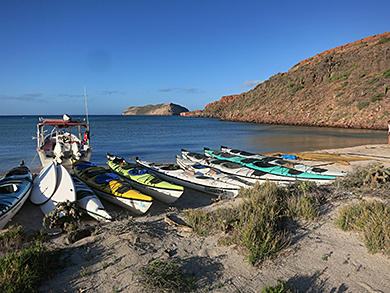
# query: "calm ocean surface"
[[160, 138]]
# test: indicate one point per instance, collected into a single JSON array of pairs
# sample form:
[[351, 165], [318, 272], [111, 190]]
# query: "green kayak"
[[144, 181]]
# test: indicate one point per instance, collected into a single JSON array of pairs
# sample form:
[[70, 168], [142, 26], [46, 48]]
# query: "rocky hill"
[[160, 109], [347, 86]]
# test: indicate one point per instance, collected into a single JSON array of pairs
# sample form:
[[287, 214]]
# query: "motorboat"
[[61, 140]]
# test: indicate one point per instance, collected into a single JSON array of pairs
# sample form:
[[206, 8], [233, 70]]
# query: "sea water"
[[160, 138]]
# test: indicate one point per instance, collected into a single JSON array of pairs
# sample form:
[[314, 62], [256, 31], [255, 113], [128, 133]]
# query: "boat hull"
[[15, 188]]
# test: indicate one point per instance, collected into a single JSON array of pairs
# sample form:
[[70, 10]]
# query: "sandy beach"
[[107, 260]]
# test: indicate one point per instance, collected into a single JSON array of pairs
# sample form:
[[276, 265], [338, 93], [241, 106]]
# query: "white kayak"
[[44, 184], [200, 169], [187, 178], [281, 162], [237, 170], [65, 190], [89, 202]]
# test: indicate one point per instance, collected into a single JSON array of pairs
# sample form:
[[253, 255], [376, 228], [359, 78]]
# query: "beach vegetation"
[[257, 224], [167, 276], [22, 271], [386, 74], [383, 41], [282, 287], [377, 97], [341, 76], [362, 105], [371, 218], [65, 217], [366, 178]]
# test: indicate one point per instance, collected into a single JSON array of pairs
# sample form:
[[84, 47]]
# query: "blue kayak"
[[15, 188]]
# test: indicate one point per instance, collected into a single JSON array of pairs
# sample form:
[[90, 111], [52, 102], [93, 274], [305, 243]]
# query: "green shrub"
[[66, 216], [372, 80], [362, 105], [377, 97], [383, 41], [387, 73], [341, 76], [21, 272]]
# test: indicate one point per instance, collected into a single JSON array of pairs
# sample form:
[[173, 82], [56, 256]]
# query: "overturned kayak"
[[15, 188], [281, 162], [143, 180], [200, 169], [187, 178], [266, 167], [109, 186], [65, 190]]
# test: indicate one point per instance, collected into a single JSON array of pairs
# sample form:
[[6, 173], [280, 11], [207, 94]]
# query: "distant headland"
[[160, 109]]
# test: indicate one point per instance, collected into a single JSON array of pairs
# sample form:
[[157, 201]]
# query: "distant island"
[[160, 109]]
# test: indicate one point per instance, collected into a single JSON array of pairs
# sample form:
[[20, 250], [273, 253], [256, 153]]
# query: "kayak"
[[65, 190], [200, 169], [144, 181], [174, 173], [109, 186], [89, 202], [15, 188], [236, 169], [281, 162], [268, 167]]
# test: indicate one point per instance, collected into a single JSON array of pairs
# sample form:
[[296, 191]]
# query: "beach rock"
[[160, 109]]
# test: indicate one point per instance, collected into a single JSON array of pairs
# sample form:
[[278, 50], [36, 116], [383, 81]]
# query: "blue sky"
[[135, 53]]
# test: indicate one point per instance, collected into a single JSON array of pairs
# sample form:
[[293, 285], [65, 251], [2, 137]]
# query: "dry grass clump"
[[165, 276], [258, 223], [373, 179], [282, 287], [370, 218]]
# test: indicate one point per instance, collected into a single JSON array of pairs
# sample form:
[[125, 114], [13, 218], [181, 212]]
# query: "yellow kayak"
[[111, 187]]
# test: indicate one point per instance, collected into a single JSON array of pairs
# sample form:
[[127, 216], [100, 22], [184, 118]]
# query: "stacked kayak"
[[174, 173], [15, 188], [281, 162], [143, 180], [242, 172], [109, 186], [200, 169], [65, 189], [266, 167]]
